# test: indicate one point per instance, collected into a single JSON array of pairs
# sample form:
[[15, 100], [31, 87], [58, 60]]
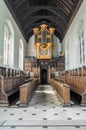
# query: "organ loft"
[[42, 64]]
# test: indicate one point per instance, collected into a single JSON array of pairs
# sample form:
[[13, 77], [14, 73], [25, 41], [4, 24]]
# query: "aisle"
[[45, 97]]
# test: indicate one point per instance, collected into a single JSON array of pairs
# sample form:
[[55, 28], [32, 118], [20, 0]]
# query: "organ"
[[43, 41]]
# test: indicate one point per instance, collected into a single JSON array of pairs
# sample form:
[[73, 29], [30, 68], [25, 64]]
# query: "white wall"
[[6, 15], [72, 37], [58, 47], [31, 50]]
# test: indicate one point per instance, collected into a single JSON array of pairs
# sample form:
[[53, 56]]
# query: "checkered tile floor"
[[44, 111]]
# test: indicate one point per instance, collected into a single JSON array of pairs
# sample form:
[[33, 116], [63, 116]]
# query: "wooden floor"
[[44, 111]]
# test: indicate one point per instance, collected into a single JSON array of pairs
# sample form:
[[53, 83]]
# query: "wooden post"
[[10, 72], [6, 72], [82, 71]]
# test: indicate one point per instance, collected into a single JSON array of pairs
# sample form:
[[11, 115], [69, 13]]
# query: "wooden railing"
[[10, 72], [78, 85], [60, 78], [8, 86], [26, 91], [63, 90]]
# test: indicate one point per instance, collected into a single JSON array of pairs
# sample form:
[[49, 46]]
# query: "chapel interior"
[[42, 64]]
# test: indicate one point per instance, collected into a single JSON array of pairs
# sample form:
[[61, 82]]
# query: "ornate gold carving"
[[44, 42], [43, 26], [35, 30], [52, 30]]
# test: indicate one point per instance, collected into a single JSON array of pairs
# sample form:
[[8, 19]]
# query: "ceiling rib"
[[57, 13]]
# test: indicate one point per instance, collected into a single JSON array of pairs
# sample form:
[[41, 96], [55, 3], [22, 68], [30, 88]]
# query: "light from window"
[[81, 43], [21, 54], [8, 44]]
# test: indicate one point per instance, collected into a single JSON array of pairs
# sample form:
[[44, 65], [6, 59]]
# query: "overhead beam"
[[19, 3], [51, 19], [48, 8], [67, 4]]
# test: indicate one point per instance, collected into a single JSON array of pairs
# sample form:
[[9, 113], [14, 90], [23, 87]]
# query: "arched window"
[[81, 42], [21, 54], [8, 44], [67, 54]]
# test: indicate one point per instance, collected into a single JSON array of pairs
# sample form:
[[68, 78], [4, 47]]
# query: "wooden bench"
[[26, 91], [78, 85], [60, 79], [63, 91], [9, 86], [26, 78]]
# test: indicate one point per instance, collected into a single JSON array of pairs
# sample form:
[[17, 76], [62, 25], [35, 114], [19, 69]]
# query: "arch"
[[43, 76], [80, 27], [67, 54], [21, 54], [8, 44], [46, 8], [81, 42]]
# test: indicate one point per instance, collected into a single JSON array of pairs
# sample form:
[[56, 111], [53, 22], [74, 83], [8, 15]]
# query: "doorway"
[[44, 76]]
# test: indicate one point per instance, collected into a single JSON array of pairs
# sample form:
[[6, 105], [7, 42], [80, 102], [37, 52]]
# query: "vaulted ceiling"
[[31, 13]]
